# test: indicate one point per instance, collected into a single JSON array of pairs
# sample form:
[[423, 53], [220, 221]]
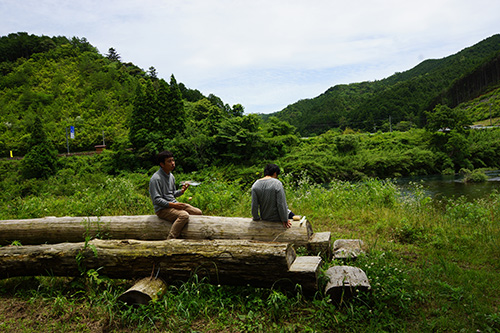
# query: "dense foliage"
[[68, 83], [40, 161], [406, 96], [345, 156]]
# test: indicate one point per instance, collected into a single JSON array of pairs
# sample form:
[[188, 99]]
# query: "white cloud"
[[263, 54]]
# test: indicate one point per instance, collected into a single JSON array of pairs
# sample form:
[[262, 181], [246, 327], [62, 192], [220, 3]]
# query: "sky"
[[261, 54]]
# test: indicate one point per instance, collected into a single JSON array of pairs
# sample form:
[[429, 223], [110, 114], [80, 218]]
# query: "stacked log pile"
[[228, 250]]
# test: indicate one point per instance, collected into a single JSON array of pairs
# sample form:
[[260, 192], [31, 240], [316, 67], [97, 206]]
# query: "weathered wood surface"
[[53, 230], [233, 262], [345, 281], [320, 243], [143, 291], [306, 269], [347, 248]]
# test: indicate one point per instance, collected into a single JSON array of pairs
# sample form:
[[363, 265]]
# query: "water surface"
[[452, 186]]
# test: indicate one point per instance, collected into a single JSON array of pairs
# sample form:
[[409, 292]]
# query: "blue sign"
[[72, 132]]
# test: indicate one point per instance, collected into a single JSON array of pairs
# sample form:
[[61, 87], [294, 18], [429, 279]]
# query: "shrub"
[[476, 176], [39, 162]]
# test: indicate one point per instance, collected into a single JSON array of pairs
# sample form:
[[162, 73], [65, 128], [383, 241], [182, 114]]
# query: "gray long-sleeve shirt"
[[162, 189], [268, 197]]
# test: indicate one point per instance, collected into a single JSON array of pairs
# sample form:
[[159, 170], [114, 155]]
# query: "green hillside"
[[402, 97], [58, 83], [48, 84], [67, 82]]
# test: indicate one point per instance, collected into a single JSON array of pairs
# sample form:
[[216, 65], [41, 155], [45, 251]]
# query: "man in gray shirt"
[[163, 193], [268, 198]]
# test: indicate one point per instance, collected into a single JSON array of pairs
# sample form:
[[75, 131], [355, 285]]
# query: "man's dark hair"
[[270, 169], [160, 157]]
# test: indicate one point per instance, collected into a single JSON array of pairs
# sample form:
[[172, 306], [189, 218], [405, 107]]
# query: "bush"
[[39, 162], [476, 176]]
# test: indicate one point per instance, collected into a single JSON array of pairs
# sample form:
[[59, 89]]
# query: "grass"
[[433, 266], [494, 121]]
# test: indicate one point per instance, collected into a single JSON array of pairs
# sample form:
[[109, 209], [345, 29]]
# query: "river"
[[452, 186]]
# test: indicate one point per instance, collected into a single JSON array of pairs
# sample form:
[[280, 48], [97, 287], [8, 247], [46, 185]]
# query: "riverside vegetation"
[[433, 266]]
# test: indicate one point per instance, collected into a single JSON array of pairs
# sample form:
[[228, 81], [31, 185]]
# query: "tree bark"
[[234, 262], [148, 227], [143, 291]]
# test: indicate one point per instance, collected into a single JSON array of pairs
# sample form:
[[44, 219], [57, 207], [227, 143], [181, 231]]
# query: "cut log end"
[[347, 248], [320, 244], [345, 281], [143, 292]]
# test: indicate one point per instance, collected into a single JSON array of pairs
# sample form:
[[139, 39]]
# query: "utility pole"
[[490, 115], [67, 141], [71, 136]]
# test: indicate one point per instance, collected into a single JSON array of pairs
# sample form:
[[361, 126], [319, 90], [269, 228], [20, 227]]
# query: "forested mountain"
[[49, 84], [66, 82], [403, 97], [58, 82]]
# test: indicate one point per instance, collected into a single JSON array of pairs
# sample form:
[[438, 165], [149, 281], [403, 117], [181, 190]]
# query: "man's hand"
[[287, 224], [184, 187], [177, 205]]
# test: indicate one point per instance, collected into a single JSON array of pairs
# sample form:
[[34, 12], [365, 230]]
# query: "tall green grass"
[[433, 266]]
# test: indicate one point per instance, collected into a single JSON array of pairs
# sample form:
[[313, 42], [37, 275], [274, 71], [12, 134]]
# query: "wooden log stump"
[[320, 243], [345, 281], [144, 291], [347, 248], [305, 272], [53, 230]]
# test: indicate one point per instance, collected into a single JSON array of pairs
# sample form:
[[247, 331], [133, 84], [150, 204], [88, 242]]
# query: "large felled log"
[[235, 262], [148, 227], [53, 230]]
